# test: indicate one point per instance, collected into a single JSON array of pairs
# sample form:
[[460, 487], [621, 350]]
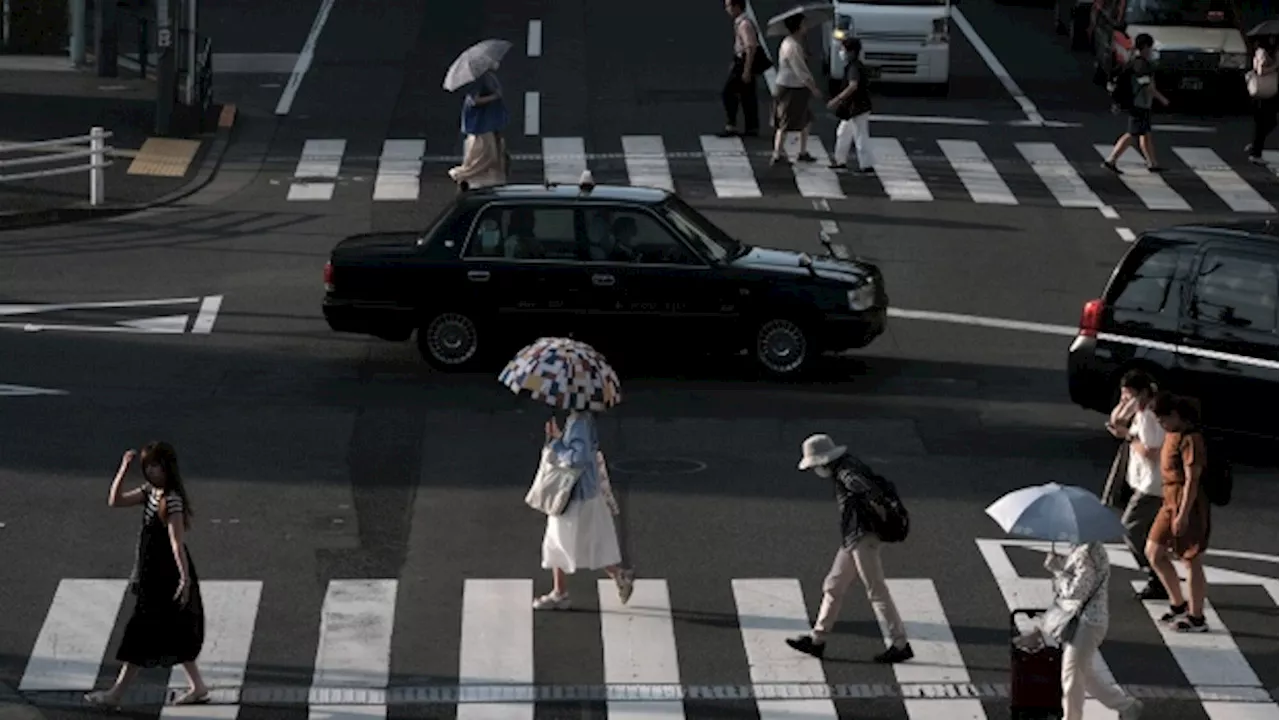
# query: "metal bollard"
[[97, 165]]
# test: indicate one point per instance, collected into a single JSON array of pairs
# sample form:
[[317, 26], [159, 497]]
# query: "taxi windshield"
[[1199, 13], [699, 231]]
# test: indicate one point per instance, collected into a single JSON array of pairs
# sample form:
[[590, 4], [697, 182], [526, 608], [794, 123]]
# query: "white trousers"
[[1080, 674], [855, 132]]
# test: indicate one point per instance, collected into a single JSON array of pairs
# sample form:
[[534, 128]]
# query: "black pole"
[[166, 67], [106, 38]]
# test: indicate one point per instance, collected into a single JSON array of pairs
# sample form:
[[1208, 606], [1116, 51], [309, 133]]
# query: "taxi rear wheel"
[[450, 341], [781, 347]]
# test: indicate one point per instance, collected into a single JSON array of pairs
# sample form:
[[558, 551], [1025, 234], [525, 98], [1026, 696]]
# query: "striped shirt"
[[172, 503]]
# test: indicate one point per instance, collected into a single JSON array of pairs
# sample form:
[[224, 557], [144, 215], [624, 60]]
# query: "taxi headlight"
[[1233, 61], [840, 34], [863, 296]]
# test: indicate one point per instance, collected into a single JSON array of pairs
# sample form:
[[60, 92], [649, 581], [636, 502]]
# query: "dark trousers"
[[1137, 518], [737, 93], [1264, 121]]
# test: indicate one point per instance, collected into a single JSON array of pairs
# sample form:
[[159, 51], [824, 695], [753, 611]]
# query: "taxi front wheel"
[[781, 347], [449, 341]]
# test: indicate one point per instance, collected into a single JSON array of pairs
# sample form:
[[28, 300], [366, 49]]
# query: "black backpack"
[[887, 515], [1120, 86], [1217, 479]]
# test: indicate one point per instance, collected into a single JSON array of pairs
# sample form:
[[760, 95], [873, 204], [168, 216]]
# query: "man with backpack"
[[870, 514], [1134, 89]]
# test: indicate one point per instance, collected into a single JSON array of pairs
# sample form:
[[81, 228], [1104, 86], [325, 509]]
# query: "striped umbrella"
[[565, 374]]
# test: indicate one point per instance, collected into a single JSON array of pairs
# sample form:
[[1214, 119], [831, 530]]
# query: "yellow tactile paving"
[[164, 157]]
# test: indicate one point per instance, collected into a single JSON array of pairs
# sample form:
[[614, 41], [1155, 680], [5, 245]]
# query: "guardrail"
[[45, 152]]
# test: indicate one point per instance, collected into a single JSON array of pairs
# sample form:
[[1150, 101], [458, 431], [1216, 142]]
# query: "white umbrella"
[[1058, 513], [474, 62], [814, 15]]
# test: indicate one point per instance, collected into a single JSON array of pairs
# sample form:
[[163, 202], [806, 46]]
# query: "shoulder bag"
[[1060, 623], [552, 485]]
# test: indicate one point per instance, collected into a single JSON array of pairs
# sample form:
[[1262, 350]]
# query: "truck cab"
[[903, 41]]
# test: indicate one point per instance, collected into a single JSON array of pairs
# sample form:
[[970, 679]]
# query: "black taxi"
[[616, 266], [1195, 306]]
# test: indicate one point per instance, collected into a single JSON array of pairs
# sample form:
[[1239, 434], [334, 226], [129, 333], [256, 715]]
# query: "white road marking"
[[28, 309], [646, 159], [26, 391], [1028, 107], [1108, 212], [1222, 180], [354, 650], [534, 40], [73, 639], [639, 649], [496, 647], [815, 179], [304, 59], [1062, 180], [977, 173], [532, 112], [1159, 127], [1272, 159], [1154, 192], [730, 167], [563, 159], [979, 321], [230, 612], [208, 314], [1219, 710], [399, 169], [929, 120], [896, 173], [321, 159], [164, 324], [1126, 234], [937, 655], [770, 611]]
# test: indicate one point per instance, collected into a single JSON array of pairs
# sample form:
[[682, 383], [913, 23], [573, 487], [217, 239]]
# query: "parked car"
[[614, 266], [1198, 43], [1195, 306]]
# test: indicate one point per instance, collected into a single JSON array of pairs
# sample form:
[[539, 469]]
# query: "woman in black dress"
[[167, 625]]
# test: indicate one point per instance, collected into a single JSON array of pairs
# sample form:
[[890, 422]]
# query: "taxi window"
[[1148, 280], [633, 236], [1236, 291], [1194, 13], [522, 232]]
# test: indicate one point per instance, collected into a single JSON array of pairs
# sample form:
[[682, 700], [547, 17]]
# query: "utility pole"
[[106, 36], [166, 68], [77, 32]]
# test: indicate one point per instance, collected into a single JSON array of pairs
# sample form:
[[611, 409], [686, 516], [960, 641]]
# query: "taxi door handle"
[[478, 275], [602, 280]]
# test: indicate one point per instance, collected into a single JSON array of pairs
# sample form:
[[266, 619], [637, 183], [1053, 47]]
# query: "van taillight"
[[328, 277], [1091, 318]]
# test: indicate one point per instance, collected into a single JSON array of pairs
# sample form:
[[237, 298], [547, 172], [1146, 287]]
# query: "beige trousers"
[[1080, 674], [863, 561]]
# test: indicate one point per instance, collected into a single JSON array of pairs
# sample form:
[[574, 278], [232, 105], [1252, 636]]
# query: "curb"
[[80, 212], [14, 707]]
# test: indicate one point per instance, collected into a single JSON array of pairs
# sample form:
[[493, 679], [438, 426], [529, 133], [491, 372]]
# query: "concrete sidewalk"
[[47, 99]]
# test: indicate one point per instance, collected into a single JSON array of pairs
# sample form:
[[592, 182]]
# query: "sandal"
[[102, 699], [806, 157], [190, 697]]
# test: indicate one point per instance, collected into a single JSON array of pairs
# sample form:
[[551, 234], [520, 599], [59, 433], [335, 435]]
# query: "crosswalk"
[[907, 170], [643, 667]]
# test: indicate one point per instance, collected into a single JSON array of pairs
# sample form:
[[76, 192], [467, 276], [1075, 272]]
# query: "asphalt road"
[[314, 457]]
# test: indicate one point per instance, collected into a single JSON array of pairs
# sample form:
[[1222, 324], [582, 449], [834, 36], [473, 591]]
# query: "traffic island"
[[46, 118]]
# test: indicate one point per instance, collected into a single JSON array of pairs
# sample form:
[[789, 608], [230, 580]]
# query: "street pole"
[[106, 35], [166, 68], [192, 27], [77, 32]]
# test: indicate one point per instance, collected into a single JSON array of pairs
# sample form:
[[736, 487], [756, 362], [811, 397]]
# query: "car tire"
[[782, 347], [450, 341]]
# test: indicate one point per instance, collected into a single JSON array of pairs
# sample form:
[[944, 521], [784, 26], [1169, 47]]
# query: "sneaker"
[[1153, 590], [626, 582], [1190, 624], [1175, 613], [805, 157], [1133, 712], [807, 645], [551, 601], [896, 654], [1112, 167], [1257, 160]]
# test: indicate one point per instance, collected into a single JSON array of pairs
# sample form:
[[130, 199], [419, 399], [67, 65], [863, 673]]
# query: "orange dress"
[[1181, 450]]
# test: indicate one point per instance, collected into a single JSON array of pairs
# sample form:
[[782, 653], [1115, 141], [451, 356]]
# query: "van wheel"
[[782, 347], [449, 341]]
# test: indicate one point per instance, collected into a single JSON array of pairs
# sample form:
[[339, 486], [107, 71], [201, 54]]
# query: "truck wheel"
[[449, 341], [781, 346]]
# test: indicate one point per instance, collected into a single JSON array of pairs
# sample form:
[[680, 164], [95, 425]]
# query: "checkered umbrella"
[[565, 374]]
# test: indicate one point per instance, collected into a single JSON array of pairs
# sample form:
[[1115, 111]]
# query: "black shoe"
[[1190, 624], [806, 645], [727, 133], [750, 133], [1176, 612], [1112, 167], [1153, 590], [896, 654]]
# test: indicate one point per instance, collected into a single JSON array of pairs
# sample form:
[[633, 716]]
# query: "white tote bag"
[[552, 485], [1262, 86]]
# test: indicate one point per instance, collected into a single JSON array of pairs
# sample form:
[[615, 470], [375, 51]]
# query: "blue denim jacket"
[[577, 448], [480, 119]]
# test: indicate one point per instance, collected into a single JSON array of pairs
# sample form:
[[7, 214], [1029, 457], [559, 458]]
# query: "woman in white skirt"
[[583, 537]]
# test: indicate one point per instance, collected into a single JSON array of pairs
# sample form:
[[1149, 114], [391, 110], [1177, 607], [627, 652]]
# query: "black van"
[[1195, 306]]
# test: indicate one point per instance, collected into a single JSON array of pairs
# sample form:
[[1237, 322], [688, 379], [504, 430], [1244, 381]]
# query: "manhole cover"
[[659, 466]]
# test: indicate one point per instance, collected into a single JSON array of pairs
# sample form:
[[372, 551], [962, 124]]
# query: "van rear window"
[[1147, 281]]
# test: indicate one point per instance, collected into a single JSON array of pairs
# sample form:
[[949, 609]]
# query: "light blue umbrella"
[[1057, 513]]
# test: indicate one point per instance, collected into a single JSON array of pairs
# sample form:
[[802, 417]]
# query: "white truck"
[[903, 41]]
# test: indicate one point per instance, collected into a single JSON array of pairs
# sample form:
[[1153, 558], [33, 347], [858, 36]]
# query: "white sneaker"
[[1133, 712], [626, 581], [551, 601]]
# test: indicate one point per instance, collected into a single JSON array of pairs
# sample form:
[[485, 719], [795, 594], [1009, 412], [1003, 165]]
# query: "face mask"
[[822, 472], [844, 56]]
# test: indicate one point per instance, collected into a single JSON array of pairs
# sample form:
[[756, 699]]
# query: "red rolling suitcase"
[[1036, 675]]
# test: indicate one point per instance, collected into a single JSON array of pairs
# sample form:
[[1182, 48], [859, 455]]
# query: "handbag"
[[1262, 86], [1060, 623], [552, 486], [1117, 492]]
